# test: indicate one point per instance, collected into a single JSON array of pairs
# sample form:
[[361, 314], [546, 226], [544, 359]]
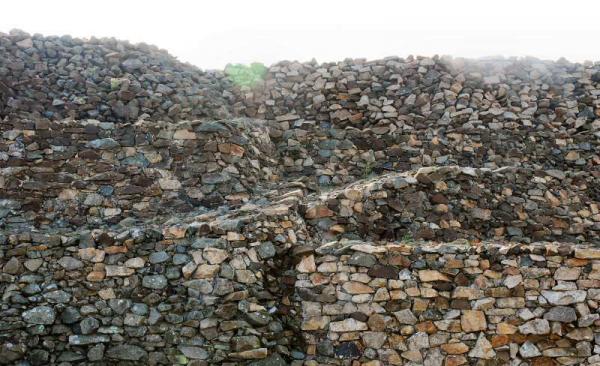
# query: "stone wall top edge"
[[580, 250]]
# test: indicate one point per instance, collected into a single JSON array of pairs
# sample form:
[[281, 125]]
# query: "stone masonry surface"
[[406, 211], [450, 304]]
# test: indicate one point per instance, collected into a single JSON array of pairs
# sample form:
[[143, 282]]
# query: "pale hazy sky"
[[211, 34]]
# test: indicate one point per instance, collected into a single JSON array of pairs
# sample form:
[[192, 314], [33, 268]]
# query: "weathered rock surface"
[[450, 304], [418, 211]]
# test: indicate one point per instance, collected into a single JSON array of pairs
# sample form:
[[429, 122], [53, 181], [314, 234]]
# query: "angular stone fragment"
[[156, 282], [564, 297], [214, 255], [481, 214], [529, 350], [381, 271], [135, 263], [581, 334], [567, 274], [184, 135], [70, 263], [535, 326], [510, 302], [92, 254], [195, 353], [562, 314], [473, 321], [204, 286], [587, 253], [455, 348], [315, 323], [12, 266], [373, 339], [362, 259], [513, 281], [428, 275], [250, 354], [206, 271], [126, 352], [158, 257], [357, 288], [169, 184], [58, 296], [347, 325], [79, 340], [418, 341], [406, 317], [317, 212], [118, 271], [482, 349], [103, 144], [307, 264], [33, 264], [266, 250], [40, 315]]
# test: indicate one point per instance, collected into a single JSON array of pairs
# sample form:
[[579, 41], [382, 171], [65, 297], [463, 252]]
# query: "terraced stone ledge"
[[403, 211], [451, 202], [91, 173]]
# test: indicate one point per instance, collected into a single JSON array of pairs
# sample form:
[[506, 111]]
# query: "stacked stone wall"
[[404, 211], [493, 304], [69, 173]]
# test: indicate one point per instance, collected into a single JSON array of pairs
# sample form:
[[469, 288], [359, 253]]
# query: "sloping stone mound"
[[419, 90], [103, 79], [67, 173]]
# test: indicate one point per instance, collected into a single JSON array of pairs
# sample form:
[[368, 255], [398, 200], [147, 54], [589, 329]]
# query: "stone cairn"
[[417, 211]]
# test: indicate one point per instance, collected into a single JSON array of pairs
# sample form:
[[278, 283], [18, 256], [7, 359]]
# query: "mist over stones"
[[344, 121], [416, 211]]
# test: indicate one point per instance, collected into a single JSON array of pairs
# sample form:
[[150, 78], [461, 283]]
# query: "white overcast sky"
[[211, 34]]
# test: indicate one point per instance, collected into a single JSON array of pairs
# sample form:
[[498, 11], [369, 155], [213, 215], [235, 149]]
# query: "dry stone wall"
[[342, 121], [447, 203], [90, 173], [340, 156], [206, 291], [404, 211], [493, 304]]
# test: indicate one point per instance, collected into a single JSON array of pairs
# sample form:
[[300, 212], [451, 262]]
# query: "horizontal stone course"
[[450, 304], [446, 203], [93, 173]]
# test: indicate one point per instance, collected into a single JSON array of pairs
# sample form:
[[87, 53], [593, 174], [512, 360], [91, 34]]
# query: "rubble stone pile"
[[103, 79], [417, 211]]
